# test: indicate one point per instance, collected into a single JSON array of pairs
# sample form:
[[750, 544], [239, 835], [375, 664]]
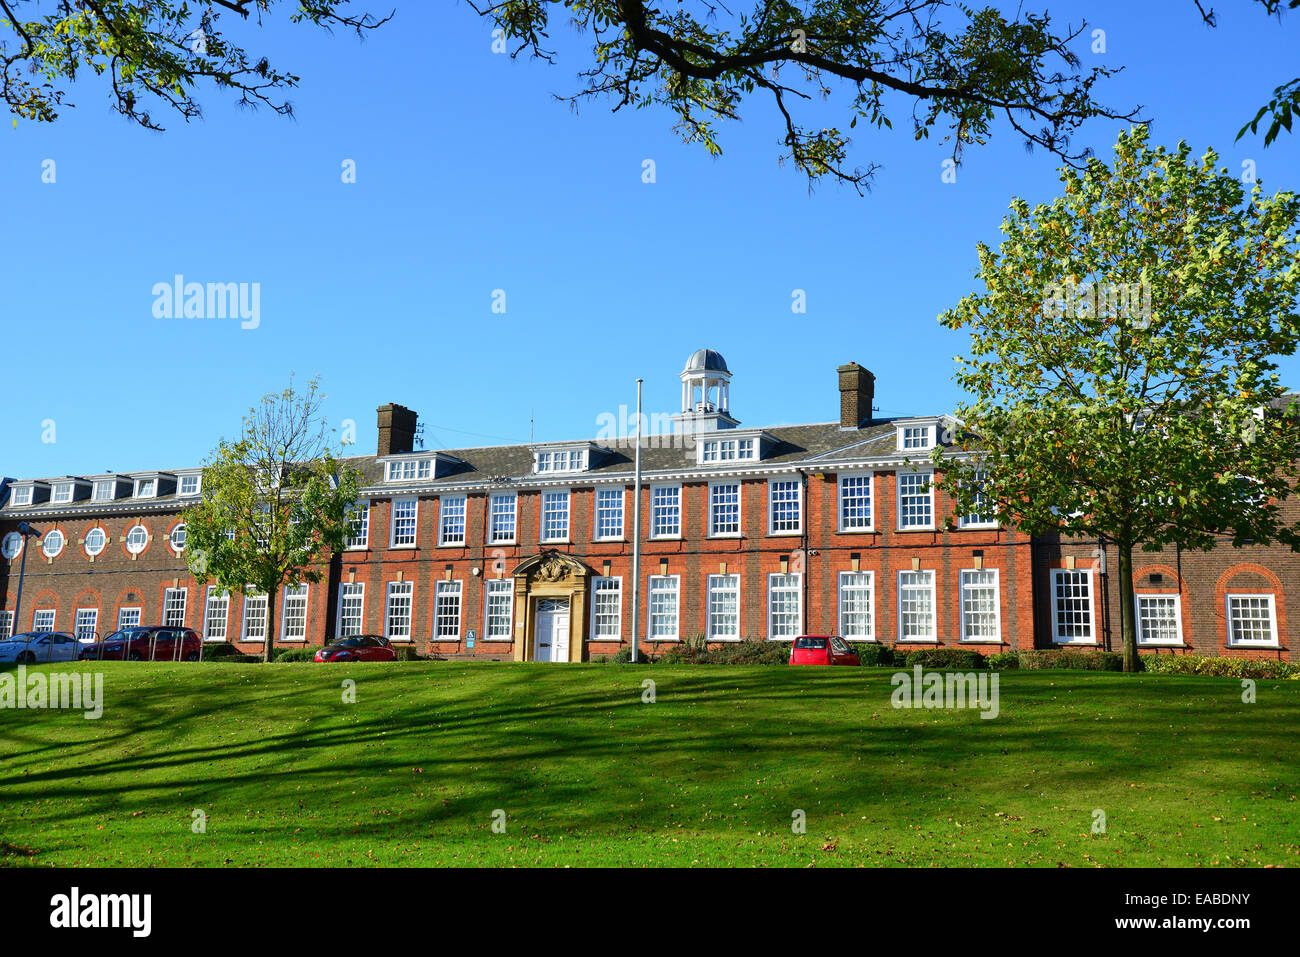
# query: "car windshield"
[[352, 641], [810, 641]]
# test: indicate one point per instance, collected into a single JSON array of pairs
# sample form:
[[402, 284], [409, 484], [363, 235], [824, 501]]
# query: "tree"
[[700, 59], [276, 503], [153, 52], [1121, 361]]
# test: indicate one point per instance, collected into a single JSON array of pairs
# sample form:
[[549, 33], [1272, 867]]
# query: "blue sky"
[[471, 178]]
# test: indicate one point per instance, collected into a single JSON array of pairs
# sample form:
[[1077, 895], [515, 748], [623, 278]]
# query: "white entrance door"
[[551, 635]]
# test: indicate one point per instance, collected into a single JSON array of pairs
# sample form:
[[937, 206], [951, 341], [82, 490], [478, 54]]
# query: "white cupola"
[[706, 393]]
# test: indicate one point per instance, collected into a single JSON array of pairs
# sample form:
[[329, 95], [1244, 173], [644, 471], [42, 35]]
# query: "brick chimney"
[[396, 429], [857, 390]]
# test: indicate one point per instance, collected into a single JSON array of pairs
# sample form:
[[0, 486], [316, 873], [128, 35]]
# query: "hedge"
[[1219, 667]]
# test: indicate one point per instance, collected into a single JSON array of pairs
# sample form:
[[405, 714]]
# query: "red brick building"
[[525, 552]]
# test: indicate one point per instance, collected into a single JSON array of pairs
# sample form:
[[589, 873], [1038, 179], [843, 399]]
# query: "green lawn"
[[589, 775]]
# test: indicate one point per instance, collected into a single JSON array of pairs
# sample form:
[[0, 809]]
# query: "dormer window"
[[189, 485], [146, 488], [916, 438], [729, 450], [22, 495], [561, 460], [409, 470], [62, 493], [105, 490]]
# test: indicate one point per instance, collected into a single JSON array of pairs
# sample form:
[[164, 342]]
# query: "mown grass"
[[588, 774]]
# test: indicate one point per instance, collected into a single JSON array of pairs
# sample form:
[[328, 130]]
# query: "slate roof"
[[809, 445]]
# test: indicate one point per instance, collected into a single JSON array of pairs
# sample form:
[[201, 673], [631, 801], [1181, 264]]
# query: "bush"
[[751, 651], [1003, 660], [624, 657], [959, 658], [1219, 667], [221, 649], [1044, 660], [873, 654], [294, 654]]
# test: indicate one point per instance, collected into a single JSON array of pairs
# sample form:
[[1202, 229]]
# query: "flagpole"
[[636, 530]]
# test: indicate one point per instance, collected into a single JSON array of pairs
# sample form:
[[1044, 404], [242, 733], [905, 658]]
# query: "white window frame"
[[727, 586], [677, 607], [928, 476], [23, 495], [214, 596], [621, 494], [444, 540], [870, 479], [6, 623], [415, 522], [418, 468], [1089, 575], [771, 505], [444, 590], [408, 591], [101, 485], [990, 521], [359, 519], [196, 478], [1142, 638], [253, 600], [93, 612], [506, 587], [290, 593], [171, 538], [543, 531], [611, 584], [997, 605], [798, 594], [740, 508], [103, 540], [1234, 642], [344, 596], [130, 547], [141, 484], [39, 614], [927, 439], [62, 493], [62, 540], [494, 537], [655, 489], [167, 607], [870, 590], [129, 611], [932, 586], [10, 538]]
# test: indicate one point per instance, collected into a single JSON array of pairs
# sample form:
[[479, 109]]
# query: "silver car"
[[36, 646]]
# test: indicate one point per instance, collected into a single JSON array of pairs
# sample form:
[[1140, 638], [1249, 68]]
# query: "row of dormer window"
[[108, 489]]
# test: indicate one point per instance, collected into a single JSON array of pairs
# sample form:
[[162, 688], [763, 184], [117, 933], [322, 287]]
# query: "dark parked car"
[[358, 648], [146, 643], [822, 650]]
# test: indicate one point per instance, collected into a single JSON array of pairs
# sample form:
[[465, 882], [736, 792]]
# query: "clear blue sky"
[[471, 178]]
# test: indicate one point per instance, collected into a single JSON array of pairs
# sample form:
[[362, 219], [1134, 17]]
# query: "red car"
[[358, 648], [822, 650], [152, 643]]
